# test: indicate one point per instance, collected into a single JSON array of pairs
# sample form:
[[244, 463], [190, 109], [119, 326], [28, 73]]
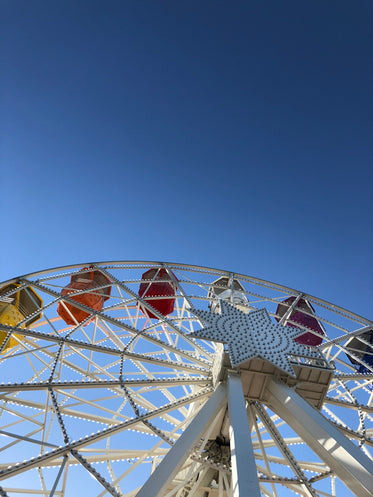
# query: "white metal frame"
[[108, 402]]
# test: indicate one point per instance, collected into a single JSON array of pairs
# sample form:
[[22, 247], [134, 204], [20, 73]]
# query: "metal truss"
[[126, 405]]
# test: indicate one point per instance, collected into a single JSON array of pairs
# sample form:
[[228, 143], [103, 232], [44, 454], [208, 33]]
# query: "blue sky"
[[235, 135]]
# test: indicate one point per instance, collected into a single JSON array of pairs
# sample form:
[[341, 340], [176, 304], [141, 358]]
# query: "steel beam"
[[158, 481], [344, 458], [100, 435], [244, 475], [26, 439], [53, 490], [74, 385]]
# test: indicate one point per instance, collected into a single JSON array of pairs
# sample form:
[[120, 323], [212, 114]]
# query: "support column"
[[244, 475], [348, 462], [171, 464]]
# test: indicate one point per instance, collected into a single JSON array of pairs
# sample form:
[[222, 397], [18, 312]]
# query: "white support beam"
[[244, 475], [158, 481], [344, 458]]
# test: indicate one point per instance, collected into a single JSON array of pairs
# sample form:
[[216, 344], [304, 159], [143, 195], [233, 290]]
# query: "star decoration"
[[253, 335]]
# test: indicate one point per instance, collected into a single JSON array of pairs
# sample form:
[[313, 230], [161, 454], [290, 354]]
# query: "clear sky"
[[236, 135]]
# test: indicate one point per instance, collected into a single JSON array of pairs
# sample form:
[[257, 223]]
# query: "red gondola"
[[157, 283], [303, 319], [93, 296]]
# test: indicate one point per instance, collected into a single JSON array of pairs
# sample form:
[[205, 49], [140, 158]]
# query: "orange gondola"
[[95, 289]]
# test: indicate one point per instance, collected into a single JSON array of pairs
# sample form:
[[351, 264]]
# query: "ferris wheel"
[[154, 379]]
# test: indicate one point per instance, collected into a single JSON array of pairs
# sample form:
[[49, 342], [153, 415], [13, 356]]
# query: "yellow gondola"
[[15, 307]]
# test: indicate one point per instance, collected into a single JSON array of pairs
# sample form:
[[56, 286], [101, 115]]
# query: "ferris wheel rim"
[[145, 264]]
